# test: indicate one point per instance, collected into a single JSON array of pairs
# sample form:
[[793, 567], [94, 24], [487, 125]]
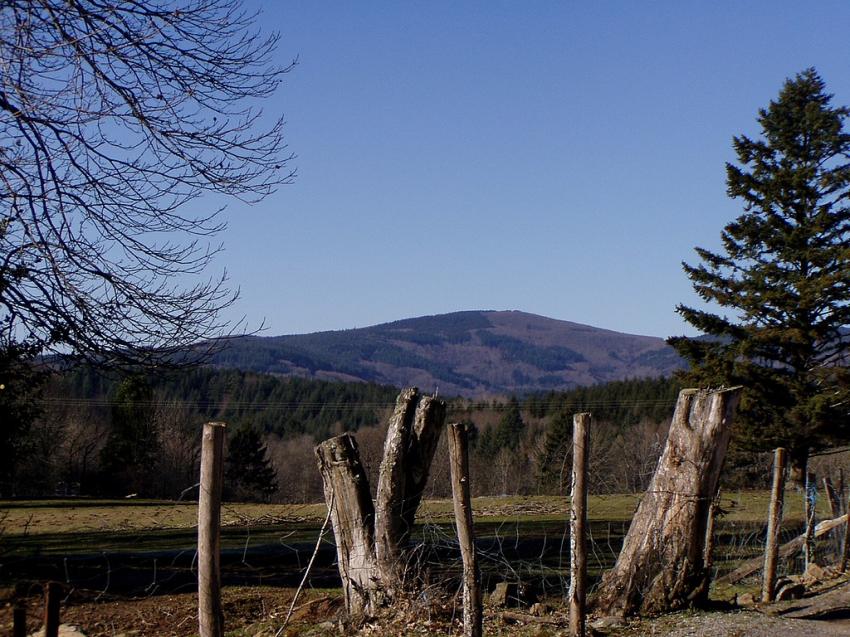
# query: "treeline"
[[140, 435], [625, 402], [88, 434], [285, 406]]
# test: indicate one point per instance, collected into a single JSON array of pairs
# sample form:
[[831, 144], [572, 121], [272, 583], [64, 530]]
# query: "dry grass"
[[38, 517]]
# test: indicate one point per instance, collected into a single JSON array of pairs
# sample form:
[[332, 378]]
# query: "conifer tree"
[[511, 427], [129, 456], [782, 279], [249, 475]]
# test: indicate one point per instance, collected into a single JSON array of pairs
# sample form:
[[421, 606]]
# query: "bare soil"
[[260, 612]]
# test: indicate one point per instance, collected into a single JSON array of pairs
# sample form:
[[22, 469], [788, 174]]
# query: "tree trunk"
[[371, 538], [661, 564], [412, 436], [352, 516]]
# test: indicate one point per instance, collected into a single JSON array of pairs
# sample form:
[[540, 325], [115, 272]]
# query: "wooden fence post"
[[774, 526], [210, 615], [459, 464], [835, 510], [19, 620], [52, 597], [810, 500], [578, 524], [845, 550]]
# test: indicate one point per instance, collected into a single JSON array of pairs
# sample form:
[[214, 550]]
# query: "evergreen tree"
[[554, 468], [509, 431], [783, 276], [21, 383], [129, 457], [249, 475]]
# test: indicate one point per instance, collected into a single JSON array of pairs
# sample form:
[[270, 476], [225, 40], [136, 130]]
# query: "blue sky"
[[560, 158]]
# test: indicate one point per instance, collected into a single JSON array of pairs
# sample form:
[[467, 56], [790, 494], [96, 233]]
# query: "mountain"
[[472, 353]]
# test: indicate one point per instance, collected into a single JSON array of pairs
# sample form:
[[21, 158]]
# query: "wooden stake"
[[578, 524], [459, 464], [835, 509], [19, 620], [210, 614], [809, 508], [700, 595], [52, 597], [774, 525], [845, 551]]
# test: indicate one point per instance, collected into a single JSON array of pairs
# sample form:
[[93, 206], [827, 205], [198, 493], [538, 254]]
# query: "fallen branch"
[[786, 550]]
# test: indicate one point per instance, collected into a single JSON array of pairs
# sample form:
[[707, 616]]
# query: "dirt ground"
[[260, 612]]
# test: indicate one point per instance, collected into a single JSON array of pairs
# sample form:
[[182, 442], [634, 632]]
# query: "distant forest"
[[104, 436]]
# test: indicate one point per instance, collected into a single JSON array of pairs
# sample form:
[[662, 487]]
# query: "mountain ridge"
[[470, 353]]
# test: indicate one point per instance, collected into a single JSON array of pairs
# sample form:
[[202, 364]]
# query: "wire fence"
[[521, 538]]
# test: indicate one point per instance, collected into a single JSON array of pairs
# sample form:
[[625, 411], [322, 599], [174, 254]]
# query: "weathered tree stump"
[[371, 539], [661, 564], [353, 518]]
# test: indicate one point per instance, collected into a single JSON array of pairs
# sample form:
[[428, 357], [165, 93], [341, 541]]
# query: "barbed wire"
[[267, 404]]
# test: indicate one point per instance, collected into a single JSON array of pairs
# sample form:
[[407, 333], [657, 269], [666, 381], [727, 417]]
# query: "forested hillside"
[[271, 404], [472, 354]]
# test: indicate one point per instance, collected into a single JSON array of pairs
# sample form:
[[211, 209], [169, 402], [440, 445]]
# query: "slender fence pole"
[[19, 620], [774, 525], [845, 551], [701, 594], [459, 464], [210, 615], [835, 510], [52, 597], [810, 508], [578, 524]]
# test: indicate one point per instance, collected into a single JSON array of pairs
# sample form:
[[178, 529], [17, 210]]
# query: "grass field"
[[59, 517], [142, 551]]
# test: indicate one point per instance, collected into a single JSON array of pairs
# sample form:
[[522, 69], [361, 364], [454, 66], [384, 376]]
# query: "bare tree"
[[113, 117]]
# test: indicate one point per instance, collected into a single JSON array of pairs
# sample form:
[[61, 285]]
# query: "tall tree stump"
[[661, 564], [346, 489], [371, 539]]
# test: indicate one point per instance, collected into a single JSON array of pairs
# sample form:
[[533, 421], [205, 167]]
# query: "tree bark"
[[392, 478], [371, 539], [473, 609], [661, 564]]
